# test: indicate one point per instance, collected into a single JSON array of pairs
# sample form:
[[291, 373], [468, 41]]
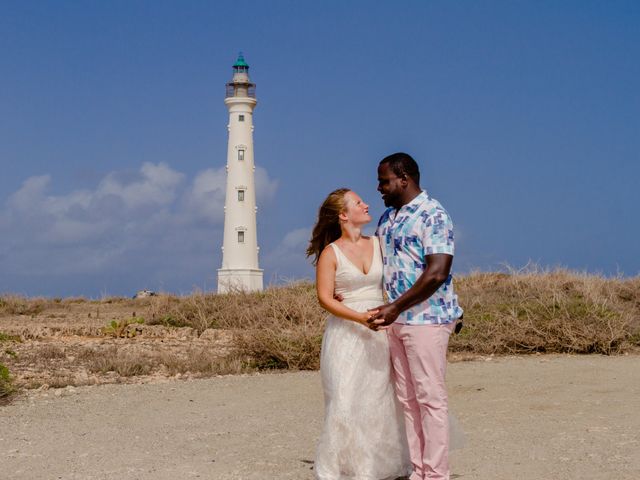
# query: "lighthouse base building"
[[239, 280]]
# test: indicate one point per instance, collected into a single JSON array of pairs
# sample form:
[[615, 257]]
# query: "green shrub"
[[5, 337], [120, 329], [6, 384]]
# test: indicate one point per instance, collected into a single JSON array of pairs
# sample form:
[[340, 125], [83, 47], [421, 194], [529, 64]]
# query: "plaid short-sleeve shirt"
[[420, 228]]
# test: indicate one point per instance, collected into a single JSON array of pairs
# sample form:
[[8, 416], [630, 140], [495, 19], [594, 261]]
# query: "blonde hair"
[[327, 228]]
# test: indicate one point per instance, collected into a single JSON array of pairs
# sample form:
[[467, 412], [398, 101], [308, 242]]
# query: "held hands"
[[383, 316], [378, 318], [365, 317]]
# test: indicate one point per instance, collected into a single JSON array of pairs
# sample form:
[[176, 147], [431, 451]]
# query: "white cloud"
[[153, 222], [265, 187], [156, 185], [295, 239], [205, 196], [288, 260], [30, 194]]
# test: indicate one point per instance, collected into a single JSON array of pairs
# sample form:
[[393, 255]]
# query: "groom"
[[416, 237]]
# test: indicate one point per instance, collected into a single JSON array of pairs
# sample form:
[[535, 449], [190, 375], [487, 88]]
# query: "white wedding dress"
[[363, 436]]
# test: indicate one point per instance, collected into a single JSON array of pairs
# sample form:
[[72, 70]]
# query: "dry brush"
[[505, 313]]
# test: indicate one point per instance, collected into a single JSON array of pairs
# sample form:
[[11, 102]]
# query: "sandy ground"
[[538, 417]]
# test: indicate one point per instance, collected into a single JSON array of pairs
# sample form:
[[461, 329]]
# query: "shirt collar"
[[413, 205], [410, 207]]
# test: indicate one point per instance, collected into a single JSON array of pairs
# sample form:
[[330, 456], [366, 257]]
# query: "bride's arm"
[[325, 284]]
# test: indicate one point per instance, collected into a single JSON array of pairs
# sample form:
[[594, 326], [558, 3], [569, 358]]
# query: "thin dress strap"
[[338, 253], [378, 250]]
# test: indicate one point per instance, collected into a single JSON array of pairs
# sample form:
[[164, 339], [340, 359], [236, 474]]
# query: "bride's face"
[[356, 211]]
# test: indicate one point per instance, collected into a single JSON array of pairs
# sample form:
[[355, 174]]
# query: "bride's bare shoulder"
[[327, 254]]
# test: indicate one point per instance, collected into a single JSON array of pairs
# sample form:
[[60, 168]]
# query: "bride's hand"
[[365, 317]]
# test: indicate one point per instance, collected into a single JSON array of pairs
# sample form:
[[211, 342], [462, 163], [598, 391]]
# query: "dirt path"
[[541, 417]]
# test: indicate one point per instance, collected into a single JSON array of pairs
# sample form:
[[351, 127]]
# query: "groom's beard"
[[389, 201]]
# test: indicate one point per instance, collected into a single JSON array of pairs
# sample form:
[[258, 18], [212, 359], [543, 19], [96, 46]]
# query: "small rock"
[[145, 293]]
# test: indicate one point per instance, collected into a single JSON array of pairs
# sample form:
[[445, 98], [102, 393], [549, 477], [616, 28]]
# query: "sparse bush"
[[51, 352], [203, 361], [552, 312], [19, 305], [72, 300], [5, 337], [6, 383], [280, 327], [515, 312], [198, 310], [124, 363], [120, 329]]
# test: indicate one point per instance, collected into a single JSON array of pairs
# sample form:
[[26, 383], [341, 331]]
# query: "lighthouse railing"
[[240, 90]]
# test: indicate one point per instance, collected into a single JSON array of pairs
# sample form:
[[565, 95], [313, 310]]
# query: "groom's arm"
[[436, 273]]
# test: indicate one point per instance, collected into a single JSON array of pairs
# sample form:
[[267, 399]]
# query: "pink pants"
[[419, 358]]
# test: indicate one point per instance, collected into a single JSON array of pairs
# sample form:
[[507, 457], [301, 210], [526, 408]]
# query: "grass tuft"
[[121, 329], [5, 337], [19, 305], [117, 360], [6, 383]]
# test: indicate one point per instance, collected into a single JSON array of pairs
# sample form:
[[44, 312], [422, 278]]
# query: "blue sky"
[[524, 118]]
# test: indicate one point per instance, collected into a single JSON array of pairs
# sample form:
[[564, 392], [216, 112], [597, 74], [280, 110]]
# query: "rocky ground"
[[92, 343]]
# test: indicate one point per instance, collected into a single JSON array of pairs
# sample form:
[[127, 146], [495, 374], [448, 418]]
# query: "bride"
[[363, 435]]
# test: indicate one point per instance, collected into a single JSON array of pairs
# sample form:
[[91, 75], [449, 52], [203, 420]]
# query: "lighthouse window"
[[240, 154], [241, 118], [241, 195], [240, 237]]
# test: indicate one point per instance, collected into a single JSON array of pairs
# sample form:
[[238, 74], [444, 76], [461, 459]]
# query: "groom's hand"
[[386, 315]]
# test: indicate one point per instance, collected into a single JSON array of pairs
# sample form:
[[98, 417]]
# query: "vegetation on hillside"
[[550, 312], [281, 327]]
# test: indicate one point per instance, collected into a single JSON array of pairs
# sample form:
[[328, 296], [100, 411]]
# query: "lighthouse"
[[240, 270]]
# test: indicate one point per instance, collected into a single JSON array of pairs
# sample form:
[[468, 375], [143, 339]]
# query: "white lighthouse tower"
[[240, 269]]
